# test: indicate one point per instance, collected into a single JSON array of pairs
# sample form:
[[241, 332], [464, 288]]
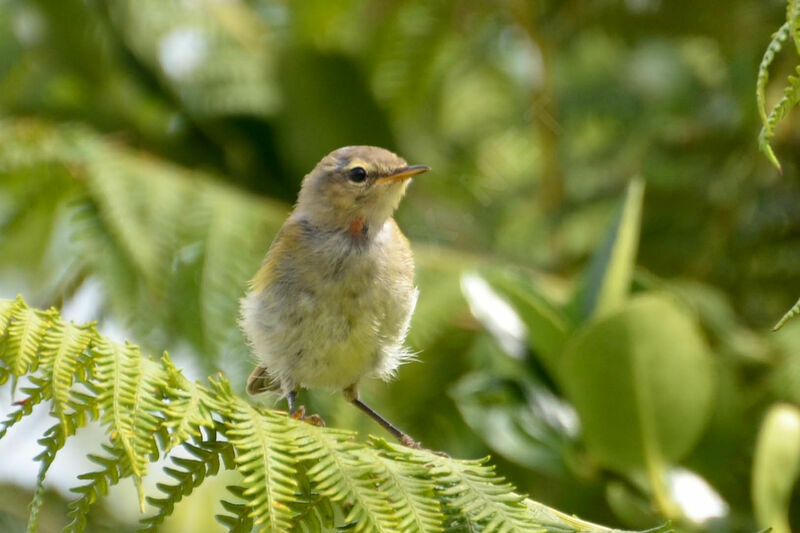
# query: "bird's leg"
[[299, 412], [290, 398], [351, 394]]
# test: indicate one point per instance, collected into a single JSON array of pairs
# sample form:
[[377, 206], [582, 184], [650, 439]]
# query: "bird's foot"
[[314, 420], [405, 440]]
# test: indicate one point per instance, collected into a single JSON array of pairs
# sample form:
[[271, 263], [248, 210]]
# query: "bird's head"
[[355, 188]]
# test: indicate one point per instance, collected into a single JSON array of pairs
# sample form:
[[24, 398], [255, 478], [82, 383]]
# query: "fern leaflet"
[[791, 313], [263, 442], [209, 454], [791, 94]]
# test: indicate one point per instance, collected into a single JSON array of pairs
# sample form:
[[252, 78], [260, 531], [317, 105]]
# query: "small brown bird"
[[333, 299]]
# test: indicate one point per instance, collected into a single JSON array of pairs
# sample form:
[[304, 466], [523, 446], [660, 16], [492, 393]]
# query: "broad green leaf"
[[641, 379], [547, 325], [607, 282], [776, 467], [495, 314], [628, 504], [520, 419]]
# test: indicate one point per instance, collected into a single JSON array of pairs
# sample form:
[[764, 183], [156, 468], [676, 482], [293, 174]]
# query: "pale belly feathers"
[[337, 315]]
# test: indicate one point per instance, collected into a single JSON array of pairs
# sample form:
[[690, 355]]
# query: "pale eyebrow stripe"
[[357, 163]]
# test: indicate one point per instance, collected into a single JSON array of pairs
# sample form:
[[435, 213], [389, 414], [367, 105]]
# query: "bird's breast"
[[335, 309]]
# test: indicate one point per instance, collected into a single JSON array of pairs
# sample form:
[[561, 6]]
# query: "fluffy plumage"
[[333, 299]]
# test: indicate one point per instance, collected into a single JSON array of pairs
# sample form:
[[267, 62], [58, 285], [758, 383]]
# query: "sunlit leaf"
[[641, 379], [521, 420], [547, 325], [607, 281], [776, 467]]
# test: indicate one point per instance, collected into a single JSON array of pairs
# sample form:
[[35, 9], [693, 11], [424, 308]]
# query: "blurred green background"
[[150, 149]]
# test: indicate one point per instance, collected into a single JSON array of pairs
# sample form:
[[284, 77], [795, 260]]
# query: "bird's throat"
[[357, 228]]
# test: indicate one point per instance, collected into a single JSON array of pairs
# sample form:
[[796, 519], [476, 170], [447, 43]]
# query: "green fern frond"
[[791, 94], [54, 439], [263, 442], [793, 19], [51, 444], [115, 466], [34, 395], [209, 454], [117, 373], [471, 489], [412, 491], [791, 313], [190, 407], [294, 476], [316, 513], [26, 330], [239, 521], [131, 228], [108, 179], [340, 474], [7, 308], [775, 46], [474, 489], [223, 270], [790, 98], [62, 348], [236, 76]]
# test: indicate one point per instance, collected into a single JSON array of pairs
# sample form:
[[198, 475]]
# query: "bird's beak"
[[403, 174]]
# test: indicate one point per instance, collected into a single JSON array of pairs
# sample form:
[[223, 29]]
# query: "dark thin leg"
[[291, 399], [391, 428]]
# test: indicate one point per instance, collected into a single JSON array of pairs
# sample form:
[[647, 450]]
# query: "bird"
[[333, 299]]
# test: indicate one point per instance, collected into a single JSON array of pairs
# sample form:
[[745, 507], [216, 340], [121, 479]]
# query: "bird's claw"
[[405, 440], [314, 420]]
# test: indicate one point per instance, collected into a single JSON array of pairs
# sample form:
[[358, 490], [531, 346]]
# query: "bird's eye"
[[357, 174]]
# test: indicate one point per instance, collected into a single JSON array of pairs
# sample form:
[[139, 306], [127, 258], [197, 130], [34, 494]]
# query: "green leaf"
[[547, 325], [776, 467], [607, 282], [521, 420], [642, 382]]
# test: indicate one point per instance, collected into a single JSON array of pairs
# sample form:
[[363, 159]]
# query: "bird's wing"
[[260, 381], [284, 247]]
